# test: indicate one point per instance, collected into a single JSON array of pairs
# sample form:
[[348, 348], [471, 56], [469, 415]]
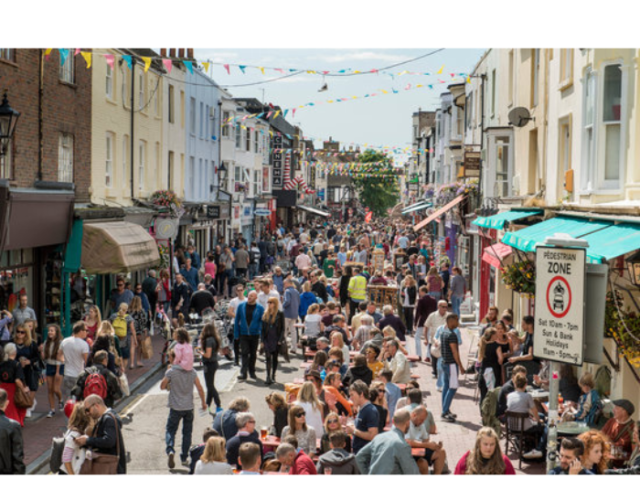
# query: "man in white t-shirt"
[[437, 318], [266, 291], [233, 308], [75, 350]]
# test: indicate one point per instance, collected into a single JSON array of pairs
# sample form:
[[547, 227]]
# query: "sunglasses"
[[20, 332], [332, 421], [251, 421], [300, 415]]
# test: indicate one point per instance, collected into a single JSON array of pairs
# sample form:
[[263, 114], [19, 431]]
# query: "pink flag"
[[293, 112], [408, 86], [269, 114], [279, 70], [168, 64], [226, 66], [110, 59], [373, 70], [77, 52]]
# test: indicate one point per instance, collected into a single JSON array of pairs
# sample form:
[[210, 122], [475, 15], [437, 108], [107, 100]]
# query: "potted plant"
[[520, 277], [623, 326]]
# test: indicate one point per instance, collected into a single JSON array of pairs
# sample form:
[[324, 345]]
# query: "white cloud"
[[387, 57]]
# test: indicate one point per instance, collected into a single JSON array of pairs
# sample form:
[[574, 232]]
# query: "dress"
[[313, 417], [10, 371]]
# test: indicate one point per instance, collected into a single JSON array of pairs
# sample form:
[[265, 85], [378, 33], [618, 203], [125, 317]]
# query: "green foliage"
[[379, 189], [521, 277], [624, 327]]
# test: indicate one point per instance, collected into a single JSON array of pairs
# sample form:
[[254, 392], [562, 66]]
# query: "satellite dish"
[[519, 117]]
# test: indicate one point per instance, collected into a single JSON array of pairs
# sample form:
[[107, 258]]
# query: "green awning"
[[73, 251], [527, 238], [497, 221], [416, 207], [612, 242]]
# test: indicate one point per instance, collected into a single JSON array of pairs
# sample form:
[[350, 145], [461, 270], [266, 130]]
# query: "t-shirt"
[[213, 344], [521, 402], [367, 418], [73, 349], [528, 344], [421, 433], [234, 304], [181, 388], [457, 285], [312, 325], [448, 337]]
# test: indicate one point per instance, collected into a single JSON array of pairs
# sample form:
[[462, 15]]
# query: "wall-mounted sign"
[[277, 161], [213, 211], [166, 228], [266, 179], [472, 164], [262, 212]]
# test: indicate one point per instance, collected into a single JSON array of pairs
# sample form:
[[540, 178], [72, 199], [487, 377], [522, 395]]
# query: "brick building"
[[46, 170]]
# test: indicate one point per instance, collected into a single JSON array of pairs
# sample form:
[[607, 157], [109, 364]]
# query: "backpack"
[[95, 383], [489, 408], [57, 447]]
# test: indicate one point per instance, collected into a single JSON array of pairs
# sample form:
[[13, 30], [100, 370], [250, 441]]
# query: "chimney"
[[172, 52], [163, 52], [190, 52], [181, 53]]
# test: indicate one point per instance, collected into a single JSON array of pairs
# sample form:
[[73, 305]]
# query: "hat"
[[314, 374], [626, 405]]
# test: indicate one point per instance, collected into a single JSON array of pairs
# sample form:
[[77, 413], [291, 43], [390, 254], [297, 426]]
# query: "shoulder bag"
[[103, 463], [22, 399]]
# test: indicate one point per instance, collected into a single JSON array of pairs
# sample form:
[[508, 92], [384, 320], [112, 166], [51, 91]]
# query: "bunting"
[[147, 63], [168, 64]]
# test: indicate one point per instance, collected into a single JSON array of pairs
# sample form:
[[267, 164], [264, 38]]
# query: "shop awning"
[[416, 207], [117, 247], [495, 253], [612, 242], [497, 221], [437, 213], [527, 238], [313, 211]]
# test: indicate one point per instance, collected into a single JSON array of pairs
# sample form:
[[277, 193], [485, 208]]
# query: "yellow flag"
[[419, 85], [356, 71], [87, 58], [469, 79], [47, 52], [270, 133], [329, 101], [206, 66], [278, 112], [261, 69], [441, 70], [385, 92], [147, 63]]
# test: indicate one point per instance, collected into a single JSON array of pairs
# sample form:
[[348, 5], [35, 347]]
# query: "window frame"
[[67, 71], [142, 89], [494, 81], [125, 71], [512, 75], [535, 77], [192, 116], [142, 161], [611, 186], [109, 83], [109, 159], [125, 157], [225, 126], [65, 157], [171, 112], [589, 148], [566, 74]]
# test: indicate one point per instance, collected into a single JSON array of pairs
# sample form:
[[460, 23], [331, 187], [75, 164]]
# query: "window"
[[65, 158], [493, 92], [124, 73], [109, 83], [192, 176], [257, 181], [200, 178], [182, 108], [565, 145], [611, 115], [108, 181], [142, 160], [212, 116], [7, 54], [206, 127], [512, 76], [5, 162], [247, 134], [225, 124], [169, 169], [588, 135], [459, 122], [192, 116], [566, 67], [238, 136], [67, 69], [157, 98], [157, 165], [238, 175], [535, 76], [201, 119], [256, 141], [125, 159], [141, 89], [172, 107]]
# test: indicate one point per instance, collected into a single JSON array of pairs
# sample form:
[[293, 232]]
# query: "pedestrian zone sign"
[[559, 306]]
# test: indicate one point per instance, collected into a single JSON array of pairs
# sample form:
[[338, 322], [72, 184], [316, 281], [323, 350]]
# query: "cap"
[[625, 404]]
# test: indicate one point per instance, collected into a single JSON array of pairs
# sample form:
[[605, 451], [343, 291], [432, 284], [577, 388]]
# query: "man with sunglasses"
[[247, 433], [120, 295]]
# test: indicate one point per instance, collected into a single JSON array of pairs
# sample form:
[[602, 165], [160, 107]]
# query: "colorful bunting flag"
[[64, 53], [189, 65], [226, 66], [147, 63], [127, 58], [168, 64], [87, 58], [110, 59]]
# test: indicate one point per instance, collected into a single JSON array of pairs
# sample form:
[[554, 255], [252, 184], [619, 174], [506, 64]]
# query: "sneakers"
[[60, 406], [532, 455], [439, 389], [451, 414], [448, 418], [171, 462], [185, 463], [219, 409], [51, 413]]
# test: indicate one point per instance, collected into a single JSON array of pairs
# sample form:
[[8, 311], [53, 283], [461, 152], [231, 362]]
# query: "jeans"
[[210, 369], [249, 350], [418, 339], [408, 318], [172, 427], [455, 304], [241, 272], [253, 270], [439, 370], [289, 327], [436, 295], [448, 392]]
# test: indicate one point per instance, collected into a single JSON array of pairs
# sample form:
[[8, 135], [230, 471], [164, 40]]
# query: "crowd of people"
[[357, 408]]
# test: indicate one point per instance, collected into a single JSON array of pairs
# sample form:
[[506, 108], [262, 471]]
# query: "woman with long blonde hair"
[[140, 320], [92, 320], [213, 460], [308, 400], [28, 356], [486, 457], [272, 337], [54, 364], [434, 283]]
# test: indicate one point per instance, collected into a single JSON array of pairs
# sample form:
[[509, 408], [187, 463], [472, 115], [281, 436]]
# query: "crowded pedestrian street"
[[203, 274]]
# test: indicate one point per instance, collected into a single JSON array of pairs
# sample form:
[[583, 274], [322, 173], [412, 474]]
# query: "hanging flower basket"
[[169, 200], [520, 277], [623, 325]]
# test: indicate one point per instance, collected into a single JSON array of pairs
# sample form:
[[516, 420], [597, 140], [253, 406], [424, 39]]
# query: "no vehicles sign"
[[559, 311]]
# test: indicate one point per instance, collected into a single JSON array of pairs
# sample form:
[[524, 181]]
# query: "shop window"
[[16, 277]]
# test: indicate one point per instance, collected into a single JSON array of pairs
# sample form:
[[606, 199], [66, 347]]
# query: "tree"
[[377, 183]]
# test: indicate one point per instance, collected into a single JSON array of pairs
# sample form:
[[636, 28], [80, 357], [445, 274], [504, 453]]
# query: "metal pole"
[[552, 419]]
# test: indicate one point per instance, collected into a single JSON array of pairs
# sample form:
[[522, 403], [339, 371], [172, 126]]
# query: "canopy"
[[495, 253], [439, 212], [527, 238], [497, 221], [612, 242], [416, 207], [117, 247], [313, 210]]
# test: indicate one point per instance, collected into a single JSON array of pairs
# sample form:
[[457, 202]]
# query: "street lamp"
[[8, 120], [222, 172], [633, 264]]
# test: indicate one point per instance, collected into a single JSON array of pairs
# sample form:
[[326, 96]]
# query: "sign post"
[[559, 317]]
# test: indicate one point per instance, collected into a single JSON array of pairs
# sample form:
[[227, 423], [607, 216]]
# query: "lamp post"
[[8, 120]]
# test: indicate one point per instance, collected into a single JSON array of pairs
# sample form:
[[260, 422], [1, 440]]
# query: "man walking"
[[457, 289], [23, 312], [180, 297], [357, 291], [247, 329], [242, 261], [201, 299], [180, 384], [291, 306], [426, 306], [75, 350], [450, 362], [435, 320], [149, 286], [89, 381], [11, 445], [190, 274]]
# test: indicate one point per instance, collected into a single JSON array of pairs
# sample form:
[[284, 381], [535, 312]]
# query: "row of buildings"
[[111, 167], [537, 142]]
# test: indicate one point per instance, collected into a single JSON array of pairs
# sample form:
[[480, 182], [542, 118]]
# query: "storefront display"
[[16, 277]]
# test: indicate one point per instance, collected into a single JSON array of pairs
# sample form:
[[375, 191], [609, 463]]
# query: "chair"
[[516, 434]]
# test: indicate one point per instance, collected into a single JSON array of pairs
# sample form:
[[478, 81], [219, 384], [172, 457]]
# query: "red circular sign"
[[559, 299]]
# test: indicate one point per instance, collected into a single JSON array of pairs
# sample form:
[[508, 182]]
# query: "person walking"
[[73, 456], [291, 306], [89, 381], [209, 346], [435, 284], [11, 443], [75, 351], [141, 325], [180, 384], [247, 329], [242, 261], [426, 306], [149, 285], [451, 362], [435, 320], [457, 289], [54, 365], [272, 337], [29, 358], [180, 297], [23, 312], [357, 291]]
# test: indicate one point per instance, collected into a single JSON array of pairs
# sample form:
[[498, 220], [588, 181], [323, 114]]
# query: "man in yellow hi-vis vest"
[[357, 291]]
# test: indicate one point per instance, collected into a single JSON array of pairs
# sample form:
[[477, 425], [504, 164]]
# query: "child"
[[183, 350]]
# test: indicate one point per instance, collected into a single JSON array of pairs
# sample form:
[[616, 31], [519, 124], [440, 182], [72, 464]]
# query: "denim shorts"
[[126, 352], [51, 370]]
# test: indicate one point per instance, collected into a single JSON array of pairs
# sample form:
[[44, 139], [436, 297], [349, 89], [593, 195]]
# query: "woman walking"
[[434, 283], [140, 326], [12, 379], [73, 456], [164, 290], [409, 294], [225, 267], [124, 330], [209, 347], [54, 364], [272, 337], [29, 358], [92, 320]]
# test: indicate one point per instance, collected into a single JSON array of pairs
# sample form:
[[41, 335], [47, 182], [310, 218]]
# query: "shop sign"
[[213, 211], [236, 212], [472, 164], [262, 212], [277, 160], [266, 179], [166, 228], [559, 309]]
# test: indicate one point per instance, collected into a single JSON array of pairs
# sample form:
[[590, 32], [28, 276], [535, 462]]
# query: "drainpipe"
[[40, 115], [133, 81], [483, 77]]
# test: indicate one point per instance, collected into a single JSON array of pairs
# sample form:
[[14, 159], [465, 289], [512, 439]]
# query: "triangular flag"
[[168, 64], [277, 113], [441, 70], [147, 63], [279, 70], [242, 67], [293, 112], [47, 52], [110, 59], [206, 66], [77, 52], [127, 58], [64, 53], [261, 69], [87, 58], [285, 114], [269, 114], [189, 65], [469, 79], [226, 66]]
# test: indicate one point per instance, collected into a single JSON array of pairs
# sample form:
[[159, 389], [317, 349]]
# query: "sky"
[[381, 120]]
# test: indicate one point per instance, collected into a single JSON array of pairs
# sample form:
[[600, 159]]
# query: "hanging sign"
[[277, 161], [559, 309]]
